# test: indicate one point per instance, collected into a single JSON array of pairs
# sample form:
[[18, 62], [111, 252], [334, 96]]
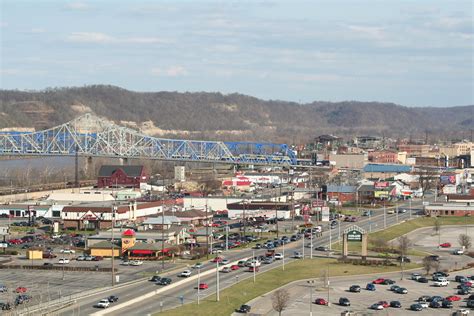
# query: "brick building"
[[449, 209], [341, 193], [124, 176], [384, 156]]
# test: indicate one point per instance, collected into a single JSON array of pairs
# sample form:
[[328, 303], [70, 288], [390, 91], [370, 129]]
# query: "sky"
[[413, 53]]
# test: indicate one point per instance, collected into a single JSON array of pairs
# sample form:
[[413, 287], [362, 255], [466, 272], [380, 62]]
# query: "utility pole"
[[311, 297], [409, 203], [207, 232], [114, 210], [283, 259], [330, 237], [276, 214], [304, 241], [163, 225], [217, 278]]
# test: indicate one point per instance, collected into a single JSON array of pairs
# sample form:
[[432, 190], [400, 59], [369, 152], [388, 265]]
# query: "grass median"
[[244, 291], [401, 229]]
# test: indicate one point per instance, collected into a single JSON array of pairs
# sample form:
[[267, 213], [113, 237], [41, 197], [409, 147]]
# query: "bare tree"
[[437, 226], [426, 178], [428, 264], [280, 300], [403, 244], [380, 243], [465, 241]]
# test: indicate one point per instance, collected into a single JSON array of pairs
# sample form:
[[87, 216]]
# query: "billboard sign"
[[447, 179], [325, 214], [4, 231], [354, 235], [318, 203], [381, 184]]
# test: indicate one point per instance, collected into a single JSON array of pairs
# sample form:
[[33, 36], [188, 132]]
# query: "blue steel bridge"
[[91, 136]]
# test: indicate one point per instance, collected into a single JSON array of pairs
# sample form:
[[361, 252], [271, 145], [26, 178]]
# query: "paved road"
[[171, 298]]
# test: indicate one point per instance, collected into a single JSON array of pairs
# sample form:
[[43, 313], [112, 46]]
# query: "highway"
[[171, 298]]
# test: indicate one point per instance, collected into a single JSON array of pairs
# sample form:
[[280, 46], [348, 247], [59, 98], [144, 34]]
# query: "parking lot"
[[301, 294]]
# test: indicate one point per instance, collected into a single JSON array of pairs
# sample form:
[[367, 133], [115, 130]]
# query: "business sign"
[[318, 203], [381, 184], [447, 179], [354, 235], [3, 245], [4, 231], [325, 214]]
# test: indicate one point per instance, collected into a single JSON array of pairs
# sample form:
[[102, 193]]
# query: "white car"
[[103, 303], [70, 251], [278, 256], [424, 304], [298, 255], [462, 311], [391, 211], [415, 276], [216, 251], [136, 263], [440, 283], [63, 260], [125, 263], [185, 274]]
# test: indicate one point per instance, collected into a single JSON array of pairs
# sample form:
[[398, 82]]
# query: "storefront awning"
[[142, 252]]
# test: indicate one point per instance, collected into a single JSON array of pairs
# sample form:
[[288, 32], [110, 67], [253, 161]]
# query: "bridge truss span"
[[92, 136]]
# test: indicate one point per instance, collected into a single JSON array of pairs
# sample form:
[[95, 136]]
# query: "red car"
[[21, 289], [378, 281], [468, 284], [453, 298], [217, 259], [385, 304], [203, 286], [251, 269], [320, 301], [445, 245], [234, 267]]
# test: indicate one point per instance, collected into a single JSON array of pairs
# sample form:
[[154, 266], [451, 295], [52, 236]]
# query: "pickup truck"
[[441, 283]]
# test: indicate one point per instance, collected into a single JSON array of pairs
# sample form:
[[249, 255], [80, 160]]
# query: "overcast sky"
[[414, 53]]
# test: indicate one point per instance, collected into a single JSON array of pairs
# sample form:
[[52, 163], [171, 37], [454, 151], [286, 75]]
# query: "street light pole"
[[311, 248], [384, 216], [255, 267], [114, 210], [283, 259], [330, 237]]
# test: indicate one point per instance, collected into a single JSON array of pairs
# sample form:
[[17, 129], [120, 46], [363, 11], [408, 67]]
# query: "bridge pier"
[[89, 167]]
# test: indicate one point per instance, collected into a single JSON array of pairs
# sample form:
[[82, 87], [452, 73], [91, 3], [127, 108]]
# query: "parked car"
[[244, 309], [415, 276], [394, 287], [21, 289], [136, 263], [423, 280], [320, 301], [376, 306], [447, 304], [460, 278], [435, 304], [67, 251], [354, 288], [395, 304], [401, 290], [370, 287], [378, 281], [416, 307], [453, 298], [3, 289], [441, 283], [63, 261], [388, 282], [344, 301]]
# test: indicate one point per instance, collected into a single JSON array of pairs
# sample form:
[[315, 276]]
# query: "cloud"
[[96, 37], [89, 37], [172, 71], [37, 30], [77, 6], [371, 32]]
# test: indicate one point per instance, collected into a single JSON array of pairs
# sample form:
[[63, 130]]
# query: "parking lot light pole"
[[311, 297], [311, 244], [303, 244], [199, 282]]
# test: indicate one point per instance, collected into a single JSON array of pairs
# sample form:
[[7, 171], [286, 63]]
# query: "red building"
[[383, 156], [125, 176], [340, 193]]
